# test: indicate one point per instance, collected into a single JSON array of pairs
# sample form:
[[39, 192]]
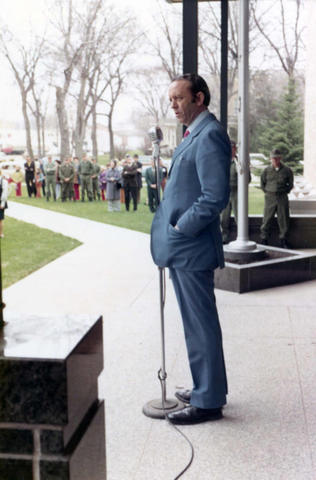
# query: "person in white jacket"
[[3, 200]]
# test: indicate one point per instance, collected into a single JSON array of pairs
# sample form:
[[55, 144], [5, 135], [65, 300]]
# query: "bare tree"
[[96, 45], [114, 71], [167, 44], [287, 46], [66, 58], [210, 45], [38, 104], [24, 64], [154, 100], [102, 59], [92, 39]]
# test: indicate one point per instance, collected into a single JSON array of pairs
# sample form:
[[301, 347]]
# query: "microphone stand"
[[159, 407], [2, 305]]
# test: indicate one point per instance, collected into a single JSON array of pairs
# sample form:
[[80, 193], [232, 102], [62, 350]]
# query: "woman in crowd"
[[113, 187], [39, 177], [102, 182], [17, 178], [3, 200]]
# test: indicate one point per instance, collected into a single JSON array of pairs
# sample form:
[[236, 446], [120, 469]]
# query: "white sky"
[[23, 15]]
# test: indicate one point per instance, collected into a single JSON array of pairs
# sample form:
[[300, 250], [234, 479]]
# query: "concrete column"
[[310, 99]]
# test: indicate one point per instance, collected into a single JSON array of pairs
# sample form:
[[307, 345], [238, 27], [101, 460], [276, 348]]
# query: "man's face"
[[275, 161], [185, 107]]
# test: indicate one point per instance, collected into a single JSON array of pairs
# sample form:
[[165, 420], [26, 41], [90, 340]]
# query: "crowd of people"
[[121, 182], [83, 179]]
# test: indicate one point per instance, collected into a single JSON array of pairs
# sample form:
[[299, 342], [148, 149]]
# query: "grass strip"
[[27, 248]]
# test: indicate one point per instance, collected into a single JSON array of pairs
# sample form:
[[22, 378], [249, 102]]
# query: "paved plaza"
[[269, 426]]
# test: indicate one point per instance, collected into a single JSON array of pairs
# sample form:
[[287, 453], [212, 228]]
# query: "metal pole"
[[2, 305], [162, 373], [190, 36], [242, 243], [224, 61]]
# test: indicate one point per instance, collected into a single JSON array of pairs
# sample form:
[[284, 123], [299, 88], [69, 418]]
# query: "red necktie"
[[186, 133]]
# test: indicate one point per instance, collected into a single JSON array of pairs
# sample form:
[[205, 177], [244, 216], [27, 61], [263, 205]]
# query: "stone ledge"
[[302, 232], [286, 268]]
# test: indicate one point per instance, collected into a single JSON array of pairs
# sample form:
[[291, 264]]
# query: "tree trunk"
[[38, 132], [27, 126], [43, 134], [111, 135], [63, 123], [80, 130], [94, 140]]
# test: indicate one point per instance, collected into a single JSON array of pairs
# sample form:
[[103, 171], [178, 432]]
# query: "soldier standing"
[[67, 173], [50, 173], [85, 171], [276, 182], [95, 179], [152, 191]]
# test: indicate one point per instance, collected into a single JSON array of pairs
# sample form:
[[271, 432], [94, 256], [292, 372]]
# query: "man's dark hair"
[[197, 84]]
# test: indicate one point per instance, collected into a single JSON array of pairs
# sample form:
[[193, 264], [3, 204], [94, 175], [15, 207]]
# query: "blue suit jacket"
[[197, 191]]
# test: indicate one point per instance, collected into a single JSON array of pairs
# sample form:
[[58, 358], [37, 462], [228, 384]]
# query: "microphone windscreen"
[[155, 134]]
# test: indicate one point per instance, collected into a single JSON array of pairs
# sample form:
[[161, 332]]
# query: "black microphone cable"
[[163, 400]]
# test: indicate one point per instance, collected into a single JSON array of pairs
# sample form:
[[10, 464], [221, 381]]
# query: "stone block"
[[51, 420], [281, 267]]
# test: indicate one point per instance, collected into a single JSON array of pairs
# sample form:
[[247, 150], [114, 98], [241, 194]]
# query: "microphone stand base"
[[154, 408]]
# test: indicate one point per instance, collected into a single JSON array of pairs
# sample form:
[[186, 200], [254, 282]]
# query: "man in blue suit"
[[186, 238]]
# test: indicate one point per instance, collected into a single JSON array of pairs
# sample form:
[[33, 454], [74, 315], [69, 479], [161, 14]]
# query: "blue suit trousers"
[[195, 295]]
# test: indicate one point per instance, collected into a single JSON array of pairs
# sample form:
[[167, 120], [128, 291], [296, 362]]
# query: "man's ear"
[[199, 98]]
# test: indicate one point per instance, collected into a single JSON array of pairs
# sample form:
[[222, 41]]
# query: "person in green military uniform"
[[152, 191], [50, 173], [233, 197], [276, 182], [66, 174], [95, 180], [86, 171]]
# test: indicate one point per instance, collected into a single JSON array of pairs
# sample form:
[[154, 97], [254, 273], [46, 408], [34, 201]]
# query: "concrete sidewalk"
[[269, 429]]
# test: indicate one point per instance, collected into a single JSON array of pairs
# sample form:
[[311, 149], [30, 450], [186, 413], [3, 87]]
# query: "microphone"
[[155, 135]]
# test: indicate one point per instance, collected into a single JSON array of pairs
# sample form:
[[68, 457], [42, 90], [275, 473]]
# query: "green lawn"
[[20, 257], [26, 248], [139, 220], [256, 201]]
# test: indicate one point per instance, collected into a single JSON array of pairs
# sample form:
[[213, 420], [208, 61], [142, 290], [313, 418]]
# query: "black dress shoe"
[[183, 395], [191, 415]]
